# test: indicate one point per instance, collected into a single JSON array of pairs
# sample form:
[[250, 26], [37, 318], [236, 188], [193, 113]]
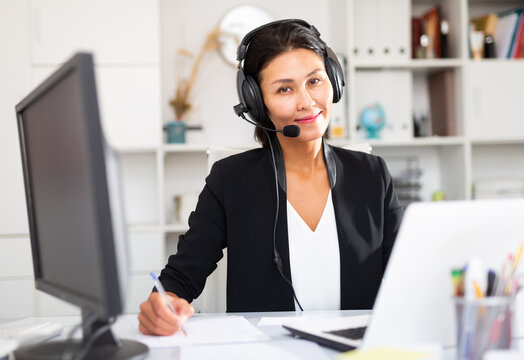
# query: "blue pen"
[[162, 292]]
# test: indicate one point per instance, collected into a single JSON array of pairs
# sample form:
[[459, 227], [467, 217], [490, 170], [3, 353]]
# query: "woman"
[[306, 225]]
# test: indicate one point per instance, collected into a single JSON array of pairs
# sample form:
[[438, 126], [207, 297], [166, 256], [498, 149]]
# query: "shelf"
[[176, 228], [416, 64], [495, 61], [168, 148], [143, 228], [136, 150], [185, 148], [426, 141], [423, 141], [168, 228], [499, 141]]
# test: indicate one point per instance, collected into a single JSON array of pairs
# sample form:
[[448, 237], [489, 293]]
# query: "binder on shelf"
[[431, 21], [518, 48], [442, 103], [366, 30], [381, 30], [417, 30], [393, 21], [516, 34], [506, 32], [444, 34]]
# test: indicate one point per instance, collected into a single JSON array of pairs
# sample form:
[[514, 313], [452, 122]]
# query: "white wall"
[[36, 36], [15, 82], [16, 285]]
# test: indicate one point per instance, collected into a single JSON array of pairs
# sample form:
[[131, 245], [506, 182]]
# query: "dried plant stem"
[[180, 102]]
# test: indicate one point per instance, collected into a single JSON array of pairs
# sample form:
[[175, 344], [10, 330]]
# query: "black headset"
[[249, 93]]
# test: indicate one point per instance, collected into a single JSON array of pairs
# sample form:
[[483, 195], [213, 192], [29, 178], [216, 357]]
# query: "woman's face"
[[297, 91]]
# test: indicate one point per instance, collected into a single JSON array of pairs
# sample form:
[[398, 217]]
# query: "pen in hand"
[[162, 292]]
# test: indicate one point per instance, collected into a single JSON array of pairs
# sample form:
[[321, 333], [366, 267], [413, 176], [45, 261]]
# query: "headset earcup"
[[335, 74], [253, 99]]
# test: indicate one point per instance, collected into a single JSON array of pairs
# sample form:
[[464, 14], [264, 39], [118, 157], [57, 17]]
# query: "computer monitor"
[[75, 213]]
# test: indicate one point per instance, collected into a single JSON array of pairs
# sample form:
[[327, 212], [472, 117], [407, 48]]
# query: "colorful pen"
[[457, 276], [478, 291], [162, 292], [517, 258]]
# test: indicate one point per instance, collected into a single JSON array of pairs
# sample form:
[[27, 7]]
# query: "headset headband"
[[244, 44]]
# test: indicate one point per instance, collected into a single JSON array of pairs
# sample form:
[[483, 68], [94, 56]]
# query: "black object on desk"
[[76, 222]]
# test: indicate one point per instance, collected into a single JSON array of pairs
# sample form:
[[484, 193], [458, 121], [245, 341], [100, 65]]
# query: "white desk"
[[276, 333], [279, 337]]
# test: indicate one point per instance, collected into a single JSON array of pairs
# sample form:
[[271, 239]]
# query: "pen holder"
[[482, 325]]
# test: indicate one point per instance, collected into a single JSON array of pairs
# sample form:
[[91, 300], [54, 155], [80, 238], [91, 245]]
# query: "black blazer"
[[236, 209]]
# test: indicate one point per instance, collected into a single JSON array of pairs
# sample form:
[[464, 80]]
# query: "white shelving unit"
[[488, 115], [153, 177]]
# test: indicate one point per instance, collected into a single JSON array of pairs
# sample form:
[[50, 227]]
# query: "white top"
[[314, 258]]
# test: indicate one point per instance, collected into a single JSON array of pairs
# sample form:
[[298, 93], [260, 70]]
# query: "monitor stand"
[[106, 346]]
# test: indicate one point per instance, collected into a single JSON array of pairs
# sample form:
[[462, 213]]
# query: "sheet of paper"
[[279, 320], [200, 330], [274, 350]]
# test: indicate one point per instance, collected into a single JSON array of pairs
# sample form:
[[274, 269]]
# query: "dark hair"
[[270, 42]]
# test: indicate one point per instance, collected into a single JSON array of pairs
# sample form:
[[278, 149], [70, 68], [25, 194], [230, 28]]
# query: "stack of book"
[[497, 35], [441, 118]]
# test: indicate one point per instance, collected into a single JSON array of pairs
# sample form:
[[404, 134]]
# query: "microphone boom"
[[289, 130]]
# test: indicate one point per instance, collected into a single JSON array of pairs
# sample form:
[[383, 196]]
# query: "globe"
[[373, 119]]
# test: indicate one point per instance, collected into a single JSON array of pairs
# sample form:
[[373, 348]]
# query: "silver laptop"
[[414, 303]]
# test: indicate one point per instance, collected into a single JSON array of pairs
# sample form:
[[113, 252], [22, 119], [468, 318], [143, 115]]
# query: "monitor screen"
[[62, 192], [73, 195]]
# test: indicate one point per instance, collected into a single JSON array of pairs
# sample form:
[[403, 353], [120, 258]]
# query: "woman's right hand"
[[155, 318]]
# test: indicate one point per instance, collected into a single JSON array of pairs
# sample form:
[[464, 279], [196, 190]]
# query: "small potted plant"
[[181, 102]]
